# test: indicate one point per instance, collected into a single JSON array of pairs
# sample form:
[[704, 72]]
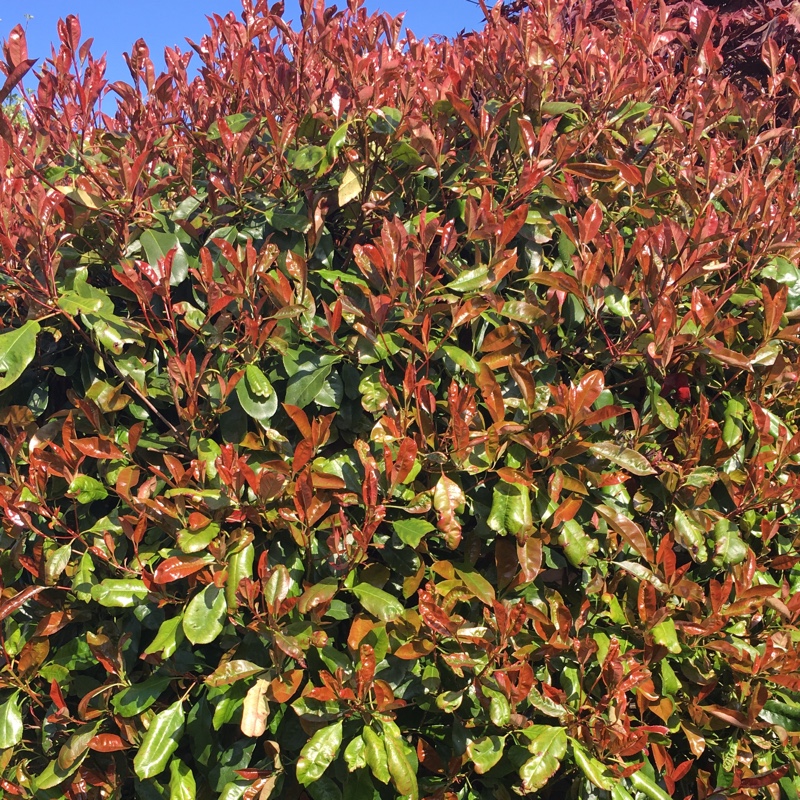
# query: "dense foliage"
[[393, 418]]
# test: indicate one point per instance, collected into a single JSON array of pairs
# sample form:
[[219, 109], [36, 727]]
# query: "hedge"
[[395, 418]]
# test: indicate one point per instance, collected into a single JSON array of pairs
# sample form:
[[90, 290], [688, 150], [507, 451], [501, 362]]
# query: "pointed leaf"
[[160, 741], [548, 746], [377, 602], [318, 753], [205, 615], [10, 722], [17, 350]]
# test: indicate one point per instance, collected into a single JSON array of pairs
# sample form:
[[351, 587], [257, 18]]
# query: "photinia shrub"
[[393, 418]]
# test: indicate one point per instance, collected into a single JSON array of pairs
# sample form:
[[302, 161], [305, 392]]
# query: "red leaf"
[[107, 743], [177, 567], [18, 600]]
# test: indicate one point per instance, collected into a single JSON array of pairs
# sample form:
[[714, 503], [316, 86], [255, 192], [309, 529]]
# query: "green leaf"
[[169, 636], [355, 754], [666, 635], [303, 387], [157, 245], [205, 615], [75, 303], [593, 769], [477, 585], [386, 121], [112, 332], [499, 708], [462, 359], [74, 750], [160, 741], [511, 509], [373, 394], [691, 536], [119, 592], [256, 394], [86, 489], [666, 414], [733, 423], [56, 562], [236, 123], [306, 158], [729, 548], [231, 671], [197, 541], [646, 785], [182, 785], [617, 302], [325, 788], [11, 722], [84, 579], [470, 280], [548, 745], [17, 350], [578, 546], [53, 775], [377, 602], [350, 187], [337, 140], [557, 108], [400, 769], [138, 698], [318, 753], [624, 457], [411, 531], [485, 752], [376, 754]]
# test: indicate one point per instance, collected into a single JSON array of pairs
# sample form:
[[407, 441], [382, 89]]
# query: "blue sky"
[[116, 24]]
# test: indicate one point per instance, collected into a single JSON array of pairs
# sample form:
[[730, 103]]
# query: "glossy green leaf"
[[412, 531], [160, 741], [139, 697], [462, 359], [401, 771], [350, 187], [548, 745], [17, 350], [485, 752], [666, 413], [380, 604], [168, 637], [157, 245], [375, 754], [303, 387], [624, 457], [729, 548], [691, 536], [318, 753], [205, 615], [308, 157], [666, 635], [256, 395], [182, 784], [578, 546], [355, 754], [470, 280], [232, 671], [511, 509], [11, 722], [86, 489], [593, 769], [119, 592]]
